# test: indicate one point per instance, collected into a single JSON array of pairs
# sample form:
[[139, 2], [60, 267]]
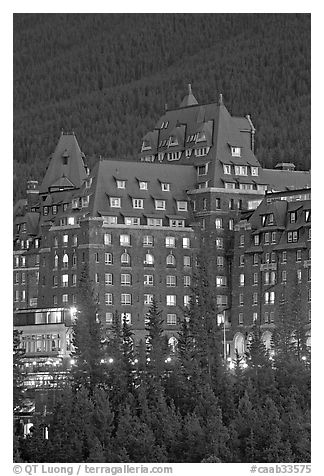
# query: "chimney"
[[32, 193]]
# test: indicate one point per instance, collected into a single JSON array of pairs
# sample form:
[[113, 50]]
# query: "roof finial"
[[220, 101]]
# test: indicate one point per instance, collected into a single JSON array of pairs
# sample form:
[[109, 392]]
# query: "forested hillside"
[[108, 77]]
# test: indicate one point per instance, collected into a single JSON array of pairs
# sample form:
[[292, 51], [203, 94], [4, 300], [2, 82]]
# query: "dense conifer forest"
[[109, 76]]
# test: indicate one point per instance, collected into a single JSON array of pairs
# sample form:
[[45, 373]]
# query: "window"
[[231, 204], [266, 297], [109, 318], [241, 279], [65, 298], [219, 223], [221, 281], [182, 206], [56, 259], [186, 243], [283, 277], [202, 169], [273, 257], [55, 301], [219, 243], [110, 220], [273, 237], [130, 221], [255, 298], [148, 240], [138, 203], [186, 281], [255, 171], [121, 183], [231, 224], [170, 242], [65, 280], [204, 202], [159, 204], [97, 257], [298, 255], [186, 261], [241, 240], [107, 239], [202, 151], [97, 280], [65, 239], [115, 202], [309, 295], [271, 316], [309, 272], [267, 258], [124, 240], [240, 170], [165, 187], [108, 299], [176, 223], [241, 299], [255, 317], [149, 259], [154, 221], [229, 185], [221, 300], [241, 318], [171, 319], [307, 215], [142, 185], [256, 240], [299, 276], [266, 277], [309, 234], [148, 299], [108, 258], [241, 260], [125, 258], [74, 279], [220, 261], [273, 277], [272, 297], [255, 278], [284, 257], [266, 238], [170, 260], [45, 211], [171, 281], [127, 316], [227, 169], [266, 318], [292, 217], [292, 236], [71, 221], [55, 281], [171, 300], [186, 300], [65, 261], [148, 279], [108, 279]]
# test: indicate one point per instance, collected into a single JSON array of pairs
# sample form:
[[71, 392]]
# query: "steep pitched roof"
[[189, 99], [66, 166], [278, 180]]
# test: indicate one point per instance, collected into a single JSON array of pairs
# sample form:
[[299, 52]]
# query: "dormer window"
[[270, 219], [202, 169], [236, 151], [45, 211], [159, 204], [88, 183], [75, 203], [121, 183], [173, 140], [188, 152], [201, 152], [293, 217], [142, 185], [182, 206], [54, 209], [201, 137], [65, 157], [85, 201], [115, 202], [146, 145], [138, 203], [165, 187], [255, 171], [174, 155], [227, 169], [307, 215], [240, 170]]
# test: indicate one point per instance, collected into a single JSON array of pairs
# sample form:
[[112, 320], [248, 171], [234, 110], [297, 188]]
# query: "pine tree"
[[156, 346], [18, 354]]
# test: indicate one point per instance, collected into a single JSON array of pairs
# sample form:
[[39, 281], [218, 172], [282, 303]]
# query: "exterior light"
[[148, 359], [304, 357], [102, 361], [34, 363], [168, 359], [72, 361], [135, 361], [110, 360]]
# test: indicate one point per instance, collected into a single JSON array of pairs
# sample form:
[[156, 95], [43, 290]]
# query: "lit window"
[[170, 260], [256, 240], [182, 206], [227, 169], [219, 243], [125, 258], [142, 185], [138, 203], [115, 202], [185, 242], [220, 260], [65, 298], [171, 319], [255, 317], [266, 297], [16, 261], [272, 297], [170, 242], [108, 299], [307, 215], [231, 224], [108, 279], [125, 299], [149, 259], [65, 280], [186, 281], [165, 187], [186, 300], [148, 279], [127, 316], [148, 299], [186, 261], [124, 240], [65, 239], [171, 300], [236, 151], [219, 223], [108, 258], [107, 239], [171, 281], [159, 204], [241, 279], [65, 261], [121, 183], [240, 170], [221, 281], [125, 279]]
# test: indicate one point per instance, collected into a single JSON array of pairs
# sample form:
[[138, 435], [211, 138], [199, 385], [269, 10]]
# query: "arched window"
[[173, 342], [65, 260], [149, 259], [170, 260], [125, 258], [55, 242], [56, 258], [239, 343]]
